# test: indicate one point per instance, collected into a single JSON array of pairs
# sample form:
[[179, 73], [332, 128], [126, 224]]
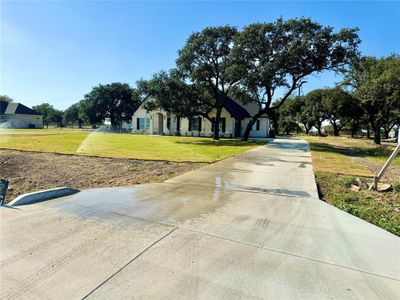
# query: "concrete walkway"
[[250, 226]]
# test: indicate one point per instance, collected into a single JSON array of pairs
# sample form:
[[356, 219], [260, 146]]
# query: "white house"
[[17, 115], [234, 119]]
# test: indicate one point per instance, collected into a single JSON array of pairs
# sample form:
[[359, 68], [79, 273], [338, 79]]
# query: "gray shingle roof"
[[234, 108], [10, 108]]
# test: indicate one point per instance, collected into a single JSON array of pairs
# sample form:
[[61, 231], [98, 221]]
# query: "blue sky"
[[56, 51]]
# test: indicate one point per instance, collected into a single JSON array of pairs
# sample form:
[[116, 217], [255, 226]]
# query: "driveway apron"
[[250, 226]]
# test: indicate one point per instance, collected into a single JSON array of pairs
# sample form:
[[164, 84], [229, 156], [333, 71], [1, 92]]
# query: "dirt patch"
[[30, 171], [391, 174]]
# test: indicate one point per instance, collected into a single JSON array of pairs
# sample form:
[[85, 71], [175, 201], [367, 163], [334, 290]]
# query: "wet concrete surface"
[[250, 226]]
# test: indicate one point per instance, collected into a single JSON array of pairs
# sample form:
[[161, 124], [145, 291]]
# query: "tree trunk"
[[386, 133], [217, 121], [376, 127], [275, 124], [377, 137], [113, 124], [250, 125], [318, 125], [307, 130], [246, 133], [377, 132], [355, 127], [335, 131], [353, 131], [368, 132]]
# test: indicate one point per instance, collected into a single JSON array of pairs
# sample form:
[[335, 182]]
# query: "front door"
[[238, 127], [160, 124], [178, 125]]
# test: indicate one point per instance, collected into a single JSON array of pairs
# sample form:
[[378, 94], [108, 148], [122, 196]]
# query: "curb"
[[44, 195]]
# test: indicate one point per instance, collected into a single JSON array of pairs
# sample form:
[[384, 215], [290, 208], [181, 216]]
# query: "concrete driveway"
[[250, 226]]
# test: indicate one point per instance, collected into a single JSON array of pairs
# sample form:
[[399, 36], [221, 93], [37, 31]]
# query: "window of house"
[[222, 124], [142, 123], [169, 123], [195, 124], [256, 126]]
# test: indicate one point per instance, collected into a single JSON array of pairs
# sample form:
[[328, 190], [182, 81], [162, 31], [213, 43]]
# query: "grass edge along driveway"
[[338, 160]]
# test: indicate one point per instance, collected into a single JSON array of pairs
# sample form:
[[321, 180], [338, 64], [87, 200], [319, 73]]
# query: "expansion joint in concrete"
[[129, 262]]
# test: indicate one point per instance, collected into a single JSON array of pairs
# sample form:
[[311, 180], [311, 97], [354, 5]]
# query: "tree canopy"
[[376, 83], [50, 114], [205, 61], [288, 115], [169, 92], [116, 102], [314, 106], [340, 108], [280, 55], [6, 98], [74, 115]]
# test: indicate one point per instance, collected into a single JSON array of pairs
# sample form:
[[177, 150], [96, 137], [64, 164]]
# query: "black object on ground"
[[3, 191]]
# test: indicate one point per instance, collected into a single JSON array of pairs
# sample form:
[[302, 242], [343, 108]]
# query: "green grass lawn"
[[381, 209], [344, 155], [145, 147]]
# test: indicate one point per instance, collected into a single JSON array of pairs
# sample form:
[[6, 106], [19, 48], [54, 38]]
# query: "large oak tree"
[[116, 102], [340, 108], [314, 105], [277, 57], [376, 84], [169, 92], [205, 60], [50, 114]]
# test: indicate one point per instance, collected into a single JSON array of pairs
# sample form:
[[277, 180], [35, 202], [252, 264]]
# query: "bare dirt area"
[[391, 174], [31, 171]]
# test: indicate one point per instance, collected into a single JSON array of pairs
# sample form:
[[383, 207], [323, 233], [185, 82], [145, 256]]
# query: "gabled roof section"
[[10, 108], [24, 110], [234, 108], [3, 107]]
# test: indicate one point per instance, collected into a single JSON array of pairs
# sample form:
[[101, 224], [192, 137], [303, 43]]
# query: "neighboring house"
[[234, 119], [17, 115], [393, 132]]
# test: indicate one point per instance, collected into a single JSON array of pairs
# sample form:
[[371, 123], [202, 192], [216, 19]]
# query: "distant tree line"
[[367, 100], [115, 102], [265, 64]]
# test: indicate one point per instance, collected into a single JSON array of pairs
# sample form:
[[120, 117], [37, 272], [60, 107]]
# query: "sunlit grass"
[[146, 147], [377, 208], [338, 160], [337, 154], [46, 131]]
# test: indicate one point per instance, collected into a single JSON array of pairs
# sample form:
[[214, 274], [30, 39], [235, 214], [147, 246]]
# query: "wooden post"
[[387, 164], [398, 134]]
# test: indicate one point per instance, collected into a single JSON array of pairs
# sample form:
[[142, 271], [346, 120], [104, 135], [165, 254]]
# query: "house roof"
[[3, 107], [11, 108], [234, 108]]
